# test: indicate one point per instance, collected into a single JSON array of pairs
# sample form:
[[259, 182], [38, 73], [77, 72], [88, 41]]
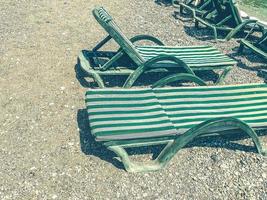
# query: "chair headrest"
[[103, 14]]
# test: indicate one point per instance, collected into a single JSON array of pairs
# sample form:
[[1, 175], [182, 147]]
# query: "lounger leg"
[[215, 33], [98, 80], [134, 167], [223, 75], [171, 149], [86, 67], [175, 145]]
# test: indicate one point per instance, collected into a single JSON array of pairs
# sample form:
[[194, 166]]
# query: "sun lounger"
[[145, 59], [122, 118], [228, 19]]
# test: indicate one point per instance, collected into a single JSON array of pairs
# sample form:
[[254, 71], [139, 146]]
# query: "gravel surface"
[[46, 151]]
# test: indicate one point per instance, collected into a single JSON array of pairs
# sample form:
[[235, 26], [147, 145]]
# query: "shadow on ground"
[[261, 69], [144, 80], [90, 147], [164, 2]]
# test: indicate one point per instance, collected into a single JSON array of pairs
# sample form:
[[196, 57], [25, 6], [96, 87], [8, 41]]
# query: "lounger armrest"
[[239, 27], [160, 58], [178, 77], [148, 65], [148, 38]]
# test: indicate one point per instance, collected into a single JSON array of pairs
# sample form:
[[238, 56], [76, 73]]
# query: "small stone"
[[214, 157], [62, 88]]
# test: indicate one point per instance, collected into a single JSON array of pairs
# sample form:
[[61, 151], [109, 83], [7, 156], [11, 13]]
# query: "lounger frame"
[[255, 47], [221, 25], [175, 143], [127, 49]]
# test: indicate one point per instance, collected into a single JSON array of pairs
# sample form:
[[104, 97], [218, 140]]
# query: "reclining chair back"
[[106, 21]]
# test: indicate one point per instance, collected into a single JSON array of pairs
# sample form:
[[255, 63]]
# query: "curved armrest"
[[159, 58], [178, 77], [149, 64], [239, 27], [148, 38]]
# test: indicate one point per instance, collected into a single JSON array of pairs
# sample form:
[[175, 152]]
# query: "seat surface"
[[125, 114], [116, 114], [193, 56]]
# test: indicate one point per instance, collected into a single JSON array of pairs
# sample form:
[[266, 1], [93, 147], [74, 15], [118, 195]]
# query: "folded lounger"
[[228, 19], [145, 59], [121, 118]]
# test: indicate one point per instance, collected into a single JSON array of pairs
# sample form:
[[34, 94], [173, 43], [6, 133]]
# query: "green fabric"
[[125, 114], [193, 56], [143, 113]]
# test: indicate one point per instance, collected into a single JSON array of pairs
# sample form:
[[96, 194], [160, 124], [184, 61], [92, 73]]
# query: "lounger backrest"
[[107, 22], [235, 12]]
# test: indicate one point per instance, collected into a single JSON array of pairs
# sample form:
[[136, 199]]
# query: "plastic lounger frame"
[[221, 25], [128, 48], [177, 142]]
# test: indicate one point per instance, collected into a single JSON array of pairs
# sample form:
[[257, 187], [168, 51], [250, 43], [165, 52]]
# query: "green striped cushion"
[[193, 56], [187, 107], [142, 113], [124, 114]]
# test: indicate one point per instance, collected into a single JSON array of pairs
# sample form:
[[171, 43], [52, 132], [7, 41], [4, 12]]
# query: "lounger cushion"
[[193, 56], [116, 114], [187, 107], [124, 114]]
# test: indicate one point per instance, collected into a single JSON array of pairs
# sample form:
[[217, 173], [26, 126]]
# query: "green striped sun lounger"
[[121, 118], [228, 19], [145, 59]]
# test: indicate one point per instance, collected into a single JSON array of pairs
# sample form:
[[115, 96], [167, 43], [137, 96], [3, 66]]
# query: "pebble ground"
[[46, 151]]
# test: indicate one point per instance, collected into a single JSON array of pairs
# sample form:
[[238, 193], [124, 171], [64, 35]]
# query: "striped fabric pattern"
[[193, 56], [104, 15], [137, 113], [190, 106], [124, 114]]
